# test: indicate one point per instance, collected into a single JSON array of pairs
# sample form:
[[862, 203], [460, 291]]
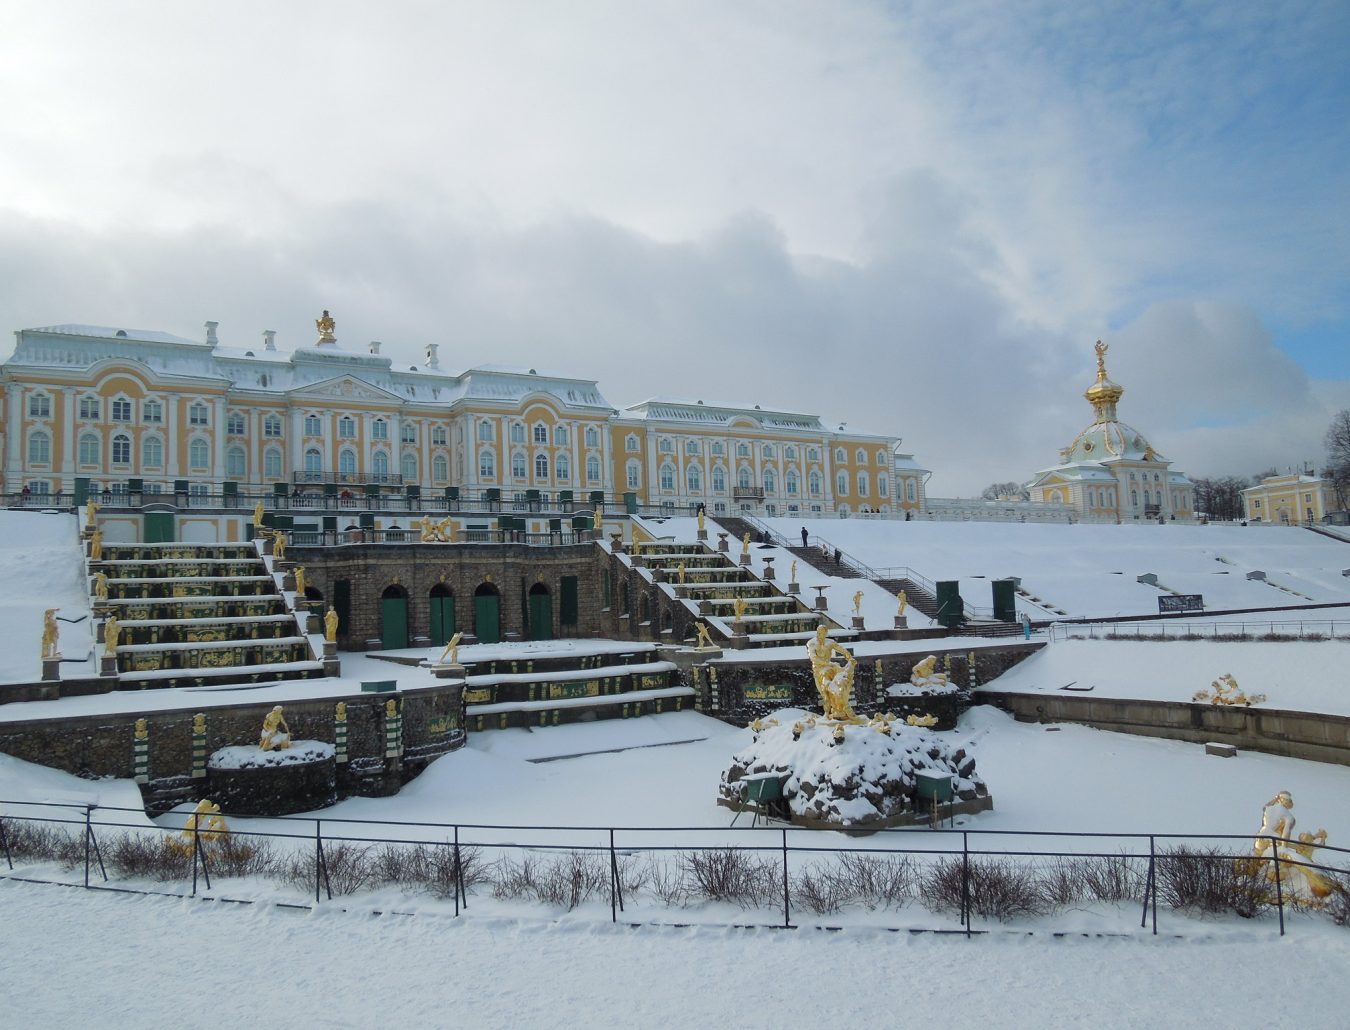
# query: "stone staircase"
[[197, 614]]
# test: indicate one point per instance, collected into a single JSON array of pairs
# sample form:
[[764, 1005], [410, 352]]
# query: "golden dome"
[[1103, 394]]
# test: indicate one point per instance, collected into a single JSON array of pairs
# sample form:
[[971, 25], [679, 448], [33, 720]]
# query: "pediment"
[[346, 388]]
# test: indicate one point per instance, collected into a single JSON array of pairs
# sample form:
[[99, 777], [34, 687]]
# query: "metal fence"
[[1177, 629], [966, 875]]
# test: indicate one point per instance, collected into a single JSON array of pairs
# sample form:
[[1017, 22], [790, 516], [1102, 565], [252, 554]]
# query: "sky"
[[915, 218]]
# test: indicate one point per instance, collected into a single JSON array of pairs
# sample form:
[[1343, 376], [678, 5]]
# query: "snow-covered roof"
[[110, 333]]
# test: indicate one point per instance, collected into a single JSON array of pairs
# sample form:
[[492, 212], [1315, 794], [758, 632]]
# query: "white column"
[[14, 401], [173, 438]]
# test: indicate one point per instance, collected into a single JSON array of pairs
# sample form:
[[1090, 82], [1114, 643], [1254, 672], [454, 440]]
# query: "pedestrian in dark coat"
[[806, 537]]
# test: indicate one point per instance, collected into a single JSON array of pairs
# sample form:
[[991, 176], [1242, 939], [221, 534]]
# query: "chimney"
[[432, 360], [269, 339], [211, 333], [375, 346]]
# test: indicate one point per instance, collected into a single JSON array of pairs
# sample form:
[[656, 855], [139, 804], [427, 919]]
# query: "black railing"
[[990, 874], [349, 478]]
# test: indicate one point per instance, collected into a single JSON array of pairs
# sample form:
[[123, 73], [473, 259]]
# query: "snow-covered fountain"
[[279, 776]]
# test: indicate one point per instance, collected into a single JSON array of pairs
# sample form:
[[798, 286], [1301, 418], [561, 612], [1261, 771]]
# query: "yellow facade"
[[1289, 500]]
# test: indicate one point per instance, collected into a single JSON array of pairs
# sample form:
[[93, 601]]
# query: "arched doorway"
[[541, 613], [442, 614], [487, 614], [394, 618]]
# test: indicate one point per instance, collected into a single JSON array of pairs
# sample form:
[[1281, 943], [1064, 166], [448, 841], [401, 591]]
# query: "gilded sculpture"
[[327, 328], [833, 679], [96, 545], [1295, 876], [428, 528], [204, 825], [925, 673], [257, 517], [745, 543], [740, 608], [857, 604], [792, 576], [100, 586], [452, 650], [300, 582], [90, 510], [112, 629], [701, 520], [904, 603], [330, 624], [278, 546], [1225, 691], [276, 735], [704, 640], [680, 573], [51, 635]]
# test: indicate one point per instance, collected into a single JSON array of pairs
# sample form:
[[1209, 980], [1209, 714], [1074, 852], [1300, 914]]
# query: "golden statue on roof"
[[1101, 349], [326, 326]]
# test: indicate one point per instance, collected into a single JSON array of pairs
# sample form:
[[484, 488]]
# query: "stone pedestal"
[[637, 559], [421, 642], [821, 604], [329, 649], [681, 591], [739, 641], [738, 628], [902, 622], [794, 588], [331, 665], [249, 781], [107, 665], [51, 668], [659, 575], [722, 543], [705, 608], [858, 622], [768, 569], [616, 543], [288, 580], [702, 535], [267, 543], [448, 670]]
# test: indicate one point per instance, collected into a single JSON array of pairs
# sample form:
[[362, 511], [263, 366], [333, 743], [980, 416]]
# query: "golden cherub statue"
[[96, 545], [834, 681], [51, 635], [100, 586], [258, 512], [704, 640], [299, 582], [452, 650], [427, 527], [276, 735], [390, 709], [112, 629], [330, 624], [925, 721], [857, 604], [327, 327], [904, 603], [445, 530], [925, 673]]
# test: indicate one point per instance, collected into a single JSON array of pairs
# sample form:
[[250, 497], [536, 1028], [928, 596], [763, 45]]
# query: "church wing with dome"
[[1110, 470]]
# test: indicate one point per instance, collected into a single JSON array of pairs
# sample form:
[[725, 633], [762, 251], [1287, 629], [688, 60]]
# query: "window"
[[666, 446], [630, 442], [91, 450], [563, 469], [691, 447], [197, 414], [694, 478], [89, 407], [517, 433], [487, 465], [541, 466], [791, 480], [812, 454], [379, 463], [272, 426], [592, 436], [841, 483], [234, 463], [840, 456], [313, 460], [485, 431], [719, 479], [864, 487], [813, 483], [439, 438], [742, 450], [668, 477], [407, 433], [313, 425], [768, 451], [717, 448], [910, 493], [40, 406], [408, 467], [152, 452], [121, 449], [379, 430], [519, 466], [347, 461], [860, 456], [39, 449], [440, 468], [790, 453], [743, 479], [883, 486], [560, 436], [592, 469], [152, 411], [199, 455], [633, 472], [347, 428], [1134, 498], [540, 433], [770, 482], [272, 463]]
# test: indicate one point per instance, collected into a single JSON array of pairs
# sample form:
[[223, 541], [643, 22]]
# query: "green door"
[[442, 618], [487, 618], [394, 622], [541, 613], [159, 527]]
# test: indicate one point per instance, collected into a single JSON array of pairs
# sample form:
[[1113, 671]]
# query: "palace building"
[[147, 416], [1110, 470]]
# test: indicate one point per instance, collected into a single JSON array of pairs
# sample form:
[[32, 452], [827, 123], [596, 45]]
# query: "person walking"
[[806, 537], [837, 555]]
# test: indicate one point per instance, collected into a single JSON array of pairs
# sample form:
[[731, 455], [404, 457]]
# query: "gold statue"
[[278, 546], [205, 823], [926, 721], [1101, 349], [199, 723], [1295, 876], [792, 576], [904, 603], [834, 681], [326, 326], [925, 673], [701, 520], [740, 608], [257, 517], [112, 629], [445, 530], [100, 586], [680, 573], [745, 542], [704, 640], [857, 604], [142, 729], [427, 527], [299, 582], [96, 545], [390, 709], [276, 735], [452, 650], [1225, 691], [90, 510], [330, 624], [51, 635]]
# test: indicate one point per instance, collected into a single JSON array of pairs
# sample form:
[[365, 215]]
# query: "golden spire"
[[1103, 394]]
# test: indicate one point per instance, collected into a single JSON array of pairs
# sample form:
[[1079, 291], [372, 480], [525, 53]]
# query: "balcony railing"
[[747, 493], [349, 478]]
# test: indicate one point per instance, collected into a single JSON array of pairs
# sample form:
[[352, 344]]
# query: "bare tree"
[[1220, 497], [1338, 457], [999, 491]]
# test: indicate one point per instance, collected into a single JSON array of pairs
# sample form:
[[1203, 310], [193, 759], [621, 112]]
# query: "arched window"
[[864, 487], [592, 469], [883, 486], [235, 463], [198, 414], [440, 468], [633, 473], [347, 461], [791, 479], [812, 454], [743, 478], [485, 430], [666, 446], [719, 479], [841, 483], [840, 456], [199, 454], [860, 456], [408, 467], [520, 466], [517, 432], [40, 406], [379, 463], [313, 425], [768, 451], [1134, 498], [540, 433], [592, 436], [39, 449], [691, 447], [630, 442], [91, 450], [313, 460], [910, 493], [541, 466], [694, 478], [487, 465], [881, 458], [89, 408], [813, 482], [562, 468], [668, 477], [121, 449], [717, 448], [770, 482], [271, 463], [152, 453]]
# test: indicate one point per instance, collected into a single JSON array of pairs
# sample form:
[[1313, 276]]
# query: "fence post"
[[459, 875], [1149, 893], [613, 881], [787, 911], [1279, 888], [320, 863], [965, 880], [86, 845], [196, 852]]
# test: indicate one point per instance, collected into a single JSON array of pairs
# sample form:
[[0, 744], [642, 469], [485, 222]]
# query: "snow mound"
[[301, 752], [867, 778]]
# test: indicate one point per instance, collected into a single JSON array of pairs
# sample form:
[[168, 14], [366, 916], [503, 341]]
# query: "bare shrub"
[[1207, 880], [1112, 878], [1062, 881], [564, 880], [818, 888], [726, 874], [997, 889], [43, 842], [243, 856], [878, 881], [665, 879], [146, 855], [349, 868]]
